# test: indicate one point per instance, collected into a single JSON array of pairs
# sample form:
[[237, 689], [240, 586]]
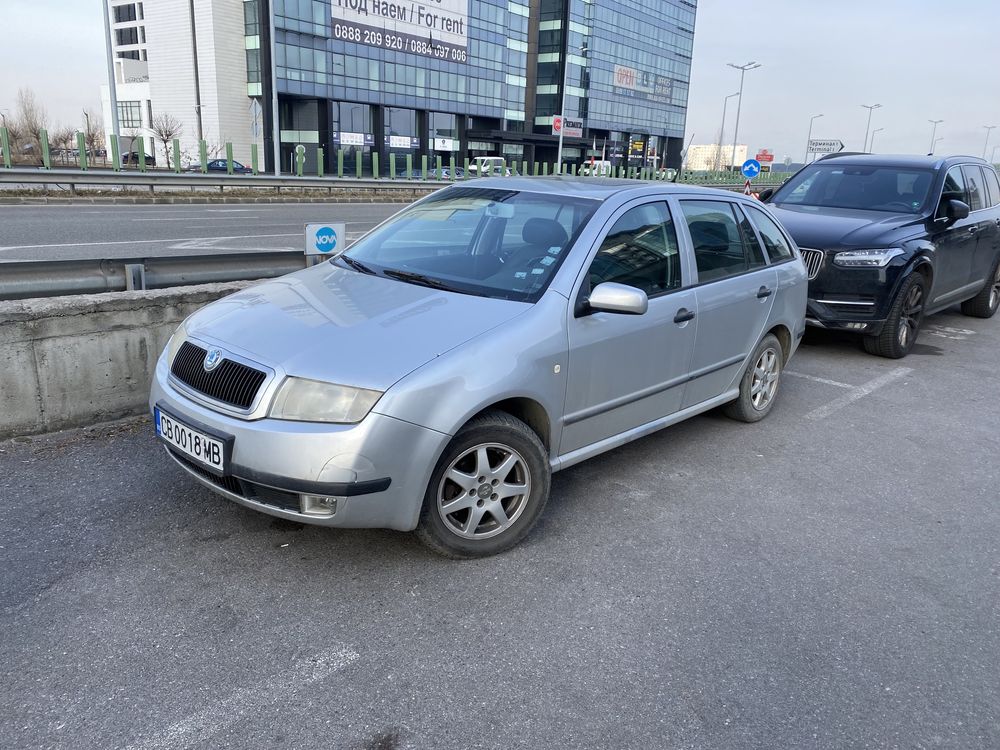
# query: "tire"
[[760, 382], [985, 304], [902, 327], [477, 520]]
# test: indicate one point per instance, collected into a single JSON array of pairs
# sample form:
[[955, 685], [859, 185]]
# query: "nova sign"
[[434, 28]]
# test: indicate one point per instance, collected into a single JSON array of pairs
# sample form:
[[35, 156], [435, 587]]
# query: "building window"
[[130, 114], [251, 18], [253, 66], [131, 54], [125, 13], [127, 36]]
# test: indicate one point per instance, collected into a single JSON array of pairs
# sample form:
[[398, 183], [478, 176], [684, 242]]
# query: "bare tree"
[[15, 134], [64, 139], [94, 135], [32, 117], [166, 127]]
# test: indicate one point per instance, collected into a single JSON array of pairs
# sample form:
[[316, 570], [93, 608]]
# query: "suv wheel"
[[985, 304], [488, 489], [903, 324], [759, 386]]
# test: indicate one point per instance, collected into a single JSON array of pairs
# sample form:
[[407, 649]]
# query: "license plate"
[[203, 448]]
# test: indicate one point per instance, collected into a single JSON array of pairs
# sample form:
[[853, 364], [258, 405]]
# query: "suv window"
[[640, 250], [993, 185], [777, 246], [954, 190], [974, 183], [719, 250]]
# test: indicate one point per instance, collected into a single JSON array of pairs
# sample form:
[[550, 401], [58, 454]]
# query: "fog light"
[[857, 326], [318, 505]]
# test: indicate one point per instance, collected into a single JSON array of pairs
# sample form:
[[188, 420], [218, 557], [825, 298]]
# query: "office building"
[[460, 78], [711, 157]]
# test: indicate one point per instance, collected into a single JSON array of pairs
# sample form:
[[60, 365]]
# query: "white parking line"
[[813, 378], [248, 701], [947, 332], [858, 392]]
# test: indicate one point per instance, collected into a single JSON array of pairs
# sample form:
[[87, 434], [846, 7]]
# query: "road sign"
[[746, 189], [570, 128], [751, 168], [325, 239], [765, 156], [825, 147]]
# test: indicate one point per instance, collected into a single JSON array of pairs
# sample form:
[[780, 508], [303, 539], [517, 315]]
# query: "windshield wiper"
[[357, 265], [418, 278]]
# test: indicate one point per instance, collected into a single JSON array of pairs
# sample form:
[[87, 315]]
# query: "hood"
[[838, 228], [341, 326]]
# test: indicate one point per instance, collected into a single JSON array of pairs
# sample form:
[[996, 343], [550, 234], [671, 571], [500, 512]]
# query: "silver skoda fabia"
[[435, 374]]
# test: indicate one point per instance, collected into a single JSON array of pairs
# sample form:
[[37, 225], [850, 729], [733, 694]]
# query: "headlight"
[[303, 400], [878, 258], [179, 337]]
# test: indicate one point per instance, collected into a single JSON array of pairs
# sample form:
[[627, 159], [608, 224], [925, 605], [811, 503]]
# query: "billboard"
[[642, 85], [432, 28]]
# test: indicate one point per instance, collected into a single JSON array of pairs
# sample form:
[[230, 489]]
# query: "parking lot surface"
[[58, 232], [827, 578]]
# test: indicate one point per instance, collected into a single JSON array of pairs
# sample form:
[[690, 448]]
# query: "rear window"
[[993, 185], [868, 188]]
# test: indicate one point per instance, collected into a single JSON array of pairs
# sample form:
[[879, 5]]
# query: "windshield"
[[493, 243], [893, 189]]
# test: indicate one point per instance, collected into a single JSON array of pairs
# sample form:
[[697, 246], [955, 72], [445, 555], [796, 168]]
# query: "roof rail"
[[842, 153]]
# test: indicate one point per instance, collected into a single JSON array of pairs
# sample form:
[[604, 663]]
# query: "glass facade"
[[476, 77]]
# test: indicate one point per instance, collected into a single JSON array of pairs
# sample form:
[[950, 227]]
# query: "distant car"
[[489, 166], [221, 165], [133, 158], [435, 373], [889, 240]]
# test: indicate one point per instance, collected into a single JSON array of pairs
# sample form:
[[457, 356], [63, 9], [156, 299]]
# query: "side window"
[[974, 182], [641, 251], [954, 189], [755, 253], [719, 250], [777, 246], [993, 185]]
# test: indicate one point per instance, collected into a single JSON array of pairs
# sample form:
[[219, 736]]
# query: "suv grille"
[[230, 382], [813, 260]]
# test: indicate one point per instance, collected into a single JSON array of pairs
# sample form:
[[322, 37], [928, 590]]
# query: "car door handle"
[[683, 315], [973, 230], [764, 292]]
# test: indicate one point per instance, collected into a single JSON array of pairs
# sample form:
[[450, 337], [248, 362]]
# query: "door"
[[983, 219], [628, 370], [734, 294], [955, 244]]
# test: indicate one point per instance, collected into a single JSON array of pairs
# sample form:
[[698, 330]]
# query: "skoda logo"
[[326, 240], [212, 359]]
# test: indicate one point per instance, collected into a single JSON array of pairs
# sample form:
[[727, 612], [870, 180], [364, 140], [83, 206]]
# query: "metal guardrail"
[[51, 278], [73, 179]]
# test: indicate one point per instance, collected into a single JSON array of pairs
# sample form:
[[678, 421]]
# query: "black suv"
[[889, 239]]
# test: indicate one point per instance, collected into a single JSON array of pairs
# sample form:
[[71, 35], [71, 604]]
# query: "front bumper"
[[375, 472], [853, 299]]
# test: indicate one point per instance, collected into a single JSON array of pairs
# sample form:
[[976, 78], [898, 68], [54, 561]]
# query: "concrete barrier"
[[73, 361]]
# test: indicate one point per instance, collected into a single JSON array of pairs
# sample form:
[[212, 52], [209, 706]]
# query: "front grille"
[[249, 490], [813, 260], [232, 383]]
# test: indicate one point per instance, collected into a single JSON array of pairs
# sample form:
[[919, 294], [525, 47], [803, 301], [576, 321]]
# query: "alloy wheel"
[[995, 291], [764, 381], [909, 319], [484, 491]]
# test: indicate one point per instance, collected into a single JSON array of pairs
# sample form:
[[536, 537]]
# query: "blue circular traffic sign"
[[326, 240], [751, 168]]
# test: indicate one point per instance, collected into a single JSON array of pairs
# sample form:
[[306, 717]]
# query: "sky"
[[920, 59]]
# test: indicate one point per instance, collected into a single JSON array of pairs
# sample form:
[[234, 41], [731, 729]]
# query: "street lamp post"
[[870, 108], [987, 144], [935, 123], [805, 159], [739, 104], [562, 104], [934, 145], [875, 132], [993, 156], [722, 131]]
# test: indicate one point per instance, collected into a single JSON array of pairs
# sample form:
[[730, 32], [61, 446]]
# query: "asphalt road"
[[827, 578], [87, 231]]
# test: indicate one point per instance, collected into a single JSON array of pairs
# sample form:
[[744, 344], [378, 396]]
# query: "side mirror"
[[765, 194], [956, 210], [618, 298]]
